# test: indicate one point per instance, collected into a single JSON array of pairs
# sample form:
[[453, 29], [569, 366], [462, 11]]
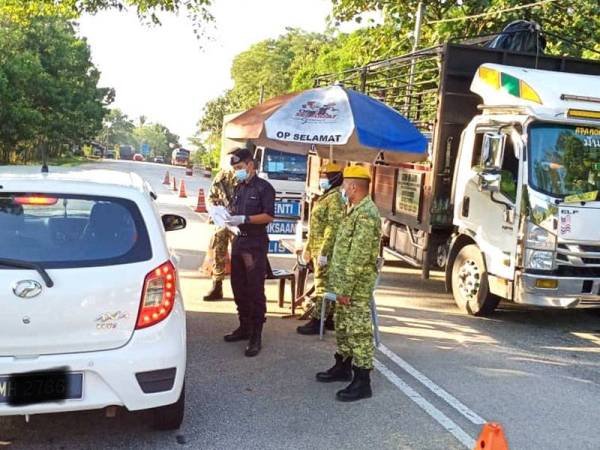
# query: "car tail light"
[[36, 200], [158, 295]]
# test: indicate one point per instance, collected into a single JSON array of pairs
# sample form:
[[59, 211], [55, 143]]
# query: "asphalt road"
[[439, 375]]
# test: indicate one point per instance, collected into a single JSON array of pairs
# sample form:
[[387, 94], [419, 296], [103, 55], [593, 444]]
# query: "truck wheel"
[[470, 283], [170, 417]]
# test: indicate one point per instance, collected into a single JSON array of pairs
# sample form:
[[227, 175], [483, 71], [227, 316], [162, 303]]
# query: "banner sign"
[[281, 227], [288, 209], [276, 247]]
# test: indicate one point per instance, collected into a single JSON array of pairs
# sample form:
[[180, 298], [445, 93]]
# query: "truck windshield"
[[564, 159], [284, 166]]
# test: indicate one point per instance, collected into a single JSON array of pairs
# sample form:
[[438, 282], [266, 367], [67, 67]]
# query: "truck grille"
[[573, 255]]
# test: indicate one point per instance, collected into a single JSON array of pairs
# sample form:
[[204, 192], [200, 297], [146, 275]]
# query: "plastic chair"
[[330, 297]]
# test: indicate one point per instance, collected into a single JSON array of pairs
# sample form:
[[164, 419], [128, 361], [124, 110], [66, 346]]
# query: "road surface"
[[440, 375]]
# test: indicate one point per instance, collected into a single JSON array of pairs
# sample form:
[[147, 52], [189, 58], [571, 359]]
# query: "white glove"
[[322, 261], [235, 221]]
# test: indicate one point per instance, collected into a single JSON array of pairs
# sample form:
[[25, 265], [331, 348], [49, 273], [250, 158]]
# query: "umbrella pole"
[[330, 153]]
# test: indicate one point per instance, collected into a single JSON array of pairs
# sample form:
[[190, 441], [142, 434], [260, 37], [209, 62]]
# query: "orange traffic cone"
[[174, 184], [491, 438], [182, 193], [201, 208], [167, 179]]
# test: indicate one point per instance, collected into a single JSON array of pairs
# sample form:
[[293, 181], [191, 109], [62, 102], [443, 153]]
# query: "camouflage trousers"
[[320, 283], [354, 333], [219, 243]]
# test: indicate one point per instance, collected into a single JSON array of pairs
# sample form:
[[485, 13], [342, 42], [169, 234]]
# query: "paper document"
[[220, 216]]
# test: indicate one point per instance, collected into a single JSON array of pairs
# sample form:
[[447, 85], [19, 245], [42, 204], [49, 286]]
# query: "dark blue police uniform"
[[249, 250]]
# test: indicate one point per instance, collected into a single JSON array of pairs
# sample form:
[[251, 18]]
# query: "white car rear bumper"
[[109, 377]]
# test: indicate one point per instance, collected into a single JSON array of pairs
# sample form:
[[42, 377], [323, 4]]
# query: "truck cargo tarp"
[[353, 126]]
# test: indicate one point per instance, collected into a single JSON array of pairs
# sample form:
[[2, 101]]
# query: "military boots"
[[341, 370], [216, 293], [313, 326], [359, 388]]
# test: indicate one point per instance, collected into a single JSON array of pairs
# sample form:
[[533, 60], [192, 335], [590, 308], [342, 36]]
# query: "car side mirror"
[[173, 222], [489, 181]]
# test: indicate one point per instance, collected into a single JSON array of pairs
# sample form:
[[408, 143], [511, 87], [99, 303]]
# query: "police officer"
[[252, 209], [325, 218], [220, 194], [352, 277]]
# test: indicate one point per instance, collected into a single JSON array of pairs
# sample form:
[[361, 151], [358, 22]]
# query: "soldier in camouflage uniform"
[[352, 278], [220, 194], [325, 218]]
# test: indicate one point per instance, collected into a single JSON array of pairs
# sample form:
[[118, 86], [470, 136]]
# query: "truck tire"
[[170, 417], [470, 283]]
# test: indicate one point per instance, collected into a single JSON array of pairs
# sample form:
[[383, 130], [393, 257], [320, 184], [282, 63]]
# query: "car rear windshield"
[[64, 231]]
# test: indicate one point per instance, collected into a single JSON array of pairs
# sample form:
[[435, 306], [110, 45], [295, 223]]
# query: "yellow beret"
[[357, 172], [331, 168]]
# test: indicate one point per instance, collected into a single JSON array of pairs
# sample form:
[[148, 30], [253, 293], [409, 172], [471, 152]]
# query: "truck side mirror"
[[489, 181], [491, 150]]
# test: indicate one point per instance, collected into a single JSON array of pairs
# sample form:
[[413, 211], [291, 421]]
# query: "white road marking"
[[430, 409], [447, 397]]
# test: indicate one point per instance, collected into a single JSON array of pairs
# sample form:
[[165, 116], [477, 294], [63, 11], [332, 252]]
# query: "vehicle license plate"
[[40, 387]]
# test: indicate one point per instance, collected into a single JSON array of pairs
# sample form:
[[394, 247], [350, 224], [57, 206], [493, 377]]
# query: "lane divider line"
[[471, 415], [429, 408]]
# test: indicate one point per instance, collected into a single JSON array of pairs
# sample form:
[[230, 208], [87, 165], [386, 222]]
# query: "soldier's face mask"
[[324, 184], [344, 197]]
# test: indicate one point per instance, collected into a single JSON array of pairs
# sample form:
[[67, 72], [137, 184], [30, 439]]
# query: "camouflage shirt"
[[353, 269], [325, 218], [222, 189]]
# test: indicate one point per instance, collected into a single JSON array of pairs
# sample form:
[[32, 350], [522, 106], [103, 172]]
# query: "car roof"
[[64, 180]]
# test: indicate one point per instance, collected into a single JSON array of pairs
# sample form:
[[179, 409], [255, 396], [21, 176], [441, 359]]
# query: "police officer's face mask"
[[241, 174]]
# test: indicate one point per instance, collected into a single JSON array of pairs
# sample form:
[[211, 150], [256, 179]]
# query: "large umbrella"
[[337, 122]]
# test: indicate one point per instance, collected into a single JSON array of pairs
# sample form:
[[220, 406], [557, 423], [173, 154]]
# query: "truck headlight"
[[539, 259], [538, 238]]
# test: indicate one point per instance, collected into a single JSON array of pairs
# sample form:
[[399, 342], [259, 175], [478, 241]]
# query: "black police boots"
[[255, 343], [241, 333], [216, 293], [359, 388], [341, 371]]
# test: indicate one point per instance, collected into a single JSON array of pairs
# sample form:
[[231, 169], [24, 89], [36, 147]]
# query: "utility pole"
[[416, 43], [262, 94]]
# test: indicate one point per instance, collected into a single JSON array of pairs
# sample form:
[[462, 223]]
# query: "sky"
[[164, 73]]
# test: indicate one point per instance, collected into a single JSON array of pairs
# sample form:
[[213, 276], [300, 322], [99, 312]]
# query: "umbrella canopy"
[[356, 126]]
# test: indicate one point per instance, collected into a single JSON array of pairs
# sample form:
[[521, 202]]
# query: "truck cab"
[[525, 192]]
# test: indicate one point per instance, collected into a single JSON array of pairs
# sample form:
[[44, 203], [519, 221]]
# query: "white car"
[[91, 314]]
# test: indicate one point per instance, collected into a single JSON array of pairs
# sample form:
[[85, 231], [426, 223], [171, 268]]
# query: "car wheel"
[[470, 283], [170, 417]]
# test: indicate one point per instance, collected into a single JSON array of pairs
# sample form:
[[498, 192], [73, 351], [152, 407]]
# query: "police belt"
[[252, 234]]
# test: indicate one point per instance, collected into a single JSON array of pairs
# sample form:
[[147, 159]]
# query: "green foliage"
[[576, 20], [22, 11], [48, 88]]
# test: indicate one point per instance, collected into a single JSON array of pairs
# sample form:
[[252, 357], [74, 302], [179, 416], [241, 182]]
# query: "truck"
[[287, 173], [180, 157], [506, 204], [126, 152]]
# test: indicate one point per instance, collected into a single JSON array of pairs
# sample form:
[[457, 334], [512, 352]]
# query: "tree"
[[578, 20], [48, 88], [117, 129], [198, 11], [157, 137]]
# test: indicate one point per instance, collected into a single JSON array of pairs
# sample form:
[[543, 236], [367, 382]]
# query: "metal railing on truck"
[[431, 87]]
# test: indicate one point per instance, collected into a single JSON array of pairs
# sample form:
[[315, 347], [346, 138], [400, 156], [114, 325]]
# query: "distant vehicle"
[[138, 157], [126, 152], [97, 153], [180, 157], [159, 159], [110, 155], [97, 236]]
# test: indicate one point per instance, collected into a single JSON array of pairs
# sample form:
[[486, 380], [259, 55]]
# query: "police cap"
[[239, 155], [358, 172]]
